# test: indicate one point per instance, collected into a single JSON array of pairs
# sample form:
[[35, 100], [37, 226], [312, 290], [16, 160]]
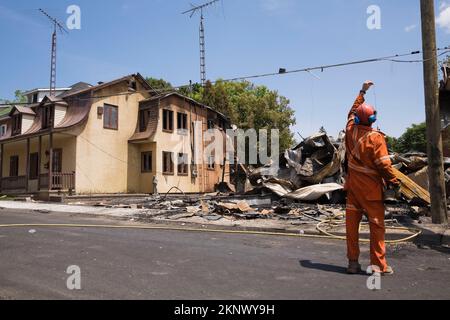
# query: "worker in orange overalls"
[[369, 171]]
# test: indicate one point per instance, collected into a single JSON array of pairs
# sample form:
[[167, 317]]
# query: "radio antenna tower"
[[193, 11], [56, 26]]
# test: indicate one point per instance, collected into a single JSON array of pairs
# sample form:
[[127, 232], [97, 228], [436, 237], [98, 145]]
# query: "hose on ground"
[[333, 222], [319, 227], [166, 228]]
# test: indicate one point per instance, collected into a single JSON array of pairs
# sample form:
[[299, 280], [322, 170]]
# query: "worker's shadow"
[[323, 267]]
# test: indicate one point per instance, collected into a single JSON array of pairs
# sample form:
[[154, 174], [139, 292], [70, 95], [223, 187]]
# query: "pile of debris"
[[309, 172], [412, 171], [306, 186], [259, 207], [313, 171]]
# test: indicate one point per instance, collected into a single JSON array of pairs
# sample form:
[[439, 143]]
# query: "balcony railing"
[[60, 181], [63, 181], [14, 183]]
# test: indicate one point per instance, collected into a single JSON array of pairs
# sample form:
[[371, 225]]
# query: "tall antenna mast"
[[56, 26], [192, 11]]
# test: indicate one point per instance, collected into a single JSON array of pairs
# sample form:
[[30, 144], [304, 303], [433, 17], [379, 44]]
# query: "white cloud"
[[410, 28], [443, 19]]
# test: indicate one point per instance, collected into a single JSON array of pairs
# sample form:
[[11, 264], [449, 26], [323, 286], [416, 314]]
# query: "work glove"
[[392, 192], [366, 86], [397, 190]]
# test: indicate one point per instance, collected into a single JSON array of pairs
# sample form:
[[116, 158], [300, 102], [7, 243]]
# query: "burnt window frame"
[[108, 115], [171, 172], [182, 122], [132, 85], [144, 168], [183, 164], [167, 125], [144, 116]]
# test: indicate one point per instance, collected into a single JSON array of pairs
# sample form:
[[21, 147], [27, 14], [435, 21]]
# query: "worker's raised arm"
[[382, 160], [359, 100]]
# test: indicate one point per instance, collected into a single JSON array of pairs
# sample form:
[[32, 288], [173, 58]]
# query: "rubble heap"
[[314, 170], [308, 172]]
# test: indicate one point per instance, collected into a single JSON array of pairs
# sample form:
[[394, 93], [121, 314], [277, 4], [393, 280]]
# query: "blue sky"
[[244, 37]]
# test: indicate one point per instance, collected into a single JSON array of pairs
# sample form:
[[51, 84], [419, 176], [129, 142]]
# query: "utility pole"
[[56, 25], [433, 121], [192, 11]]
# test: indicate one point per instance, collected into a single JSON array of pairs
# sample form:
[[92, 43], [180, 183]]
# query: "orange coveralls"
[[369, 169]]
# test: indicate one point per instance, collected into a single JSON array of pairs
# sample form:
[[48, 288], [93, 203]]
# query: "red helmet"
[[365, 115]]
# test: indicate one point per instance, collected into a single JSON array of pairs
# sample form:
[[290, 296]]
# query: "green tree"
[[246, 104], [250, 106], [193, 91], [414, 139], [19, 98], [159, 84], [391, 143]]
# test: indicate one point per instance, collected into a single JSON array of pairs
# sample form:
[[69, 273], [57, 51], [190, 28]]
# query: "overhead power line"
[[281, 72], [324, 67]]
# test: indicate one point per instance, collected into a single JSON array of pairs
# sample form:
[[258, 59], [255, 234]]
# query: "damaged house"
[[115, 137]]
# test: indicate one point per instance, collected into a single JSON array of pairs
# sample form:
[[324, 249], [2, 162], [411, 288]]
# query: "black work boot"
[[354, 267]]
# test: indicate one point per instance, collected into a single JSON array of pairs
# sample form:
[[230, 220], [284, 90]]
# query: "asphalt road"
[[147, 264]]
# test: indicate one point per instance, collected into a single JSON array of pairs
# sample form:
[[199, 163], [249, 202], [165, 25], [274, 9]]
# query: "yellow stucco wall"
[[103, 154], [14, 149]]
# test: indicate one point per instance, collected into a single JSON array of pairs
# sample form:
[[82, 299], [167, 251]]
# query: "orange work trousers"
[[357, 205]]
